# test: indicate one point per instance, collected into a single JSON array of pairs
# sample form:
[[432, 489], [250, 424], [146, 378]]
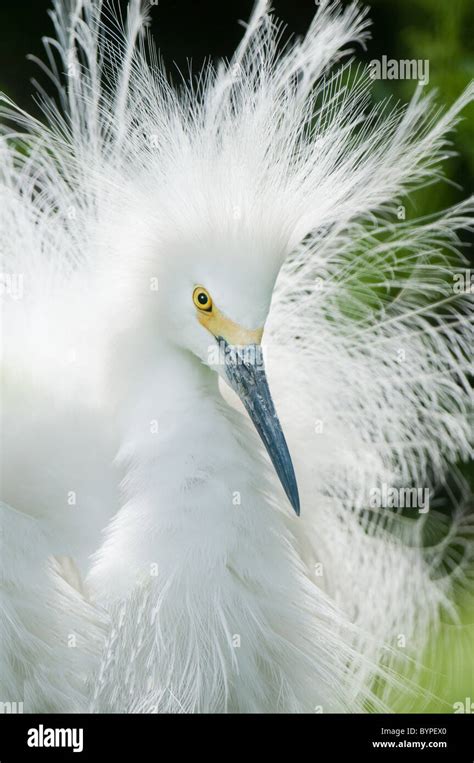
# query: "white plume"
[[283, 157]]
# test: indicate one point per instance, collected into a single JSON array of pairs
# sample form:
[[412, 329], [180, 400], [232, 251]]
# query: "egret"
[[220, 344]]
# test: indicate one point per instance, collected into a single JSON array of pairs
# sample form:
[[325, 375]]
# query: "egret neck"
[[195, 476], [204, 538]]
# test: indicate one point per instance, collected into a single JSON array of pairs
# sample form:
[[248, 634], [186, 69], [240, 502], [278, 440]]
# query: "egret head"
[[212, 220], [214, 298]]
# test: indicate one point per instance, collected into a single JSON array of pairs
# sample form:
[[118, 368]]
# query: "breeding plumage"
[[270, 186]]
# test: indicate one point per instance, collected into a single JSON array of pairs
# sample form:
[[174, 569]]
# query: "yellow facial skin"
[[218, 324]]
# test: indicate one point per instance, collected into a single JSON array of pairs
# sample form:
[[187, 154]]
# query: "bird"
[[221, 347]]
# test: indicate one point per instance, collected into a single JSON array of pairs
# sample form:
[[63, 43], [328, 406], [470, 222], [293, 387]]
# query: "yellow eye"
[[202, 299]]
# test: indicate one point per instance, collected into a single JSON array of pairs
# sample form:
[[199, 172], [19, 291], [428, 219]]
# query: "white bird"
[[150, 234]]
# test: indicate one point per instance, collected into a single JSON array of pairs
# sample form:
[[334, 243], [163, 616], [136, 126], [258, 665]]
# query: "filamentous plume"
[[150, 231]]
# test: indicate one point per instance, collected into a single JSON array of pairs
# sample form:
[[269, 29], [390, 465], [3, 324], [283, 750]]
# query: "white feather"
[[272, 167]]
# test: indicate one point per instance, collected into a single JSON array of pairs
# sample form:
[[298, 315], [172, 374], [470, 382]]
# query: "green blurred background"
[[437, 30]]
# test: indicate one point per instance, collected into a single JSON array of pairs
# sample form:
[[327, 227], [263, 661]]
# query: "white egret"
[[152, 556]]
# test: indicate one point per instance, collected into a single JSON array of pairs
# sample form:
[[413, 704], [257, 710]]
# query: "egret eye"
[[202, 299]]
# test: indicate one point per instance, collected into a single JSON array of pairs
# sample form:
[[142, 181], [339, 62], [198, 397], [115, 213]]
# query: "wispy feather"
[[278, 160]]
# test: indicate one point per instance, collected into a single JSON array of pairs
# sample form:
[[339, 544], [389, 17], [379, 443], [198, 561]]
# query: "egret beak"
[[245, 373]]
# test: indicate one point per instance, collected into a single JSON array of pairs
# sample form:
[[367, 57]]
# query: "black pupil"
[[202, 299]]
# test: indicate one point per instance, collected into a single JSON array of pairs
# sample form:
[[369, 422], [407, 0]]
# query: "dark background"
[[189, 30]]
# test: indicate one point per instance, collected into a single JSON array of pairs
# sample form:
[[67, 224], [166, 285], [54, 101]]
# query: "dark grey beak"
[[246, 375]]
